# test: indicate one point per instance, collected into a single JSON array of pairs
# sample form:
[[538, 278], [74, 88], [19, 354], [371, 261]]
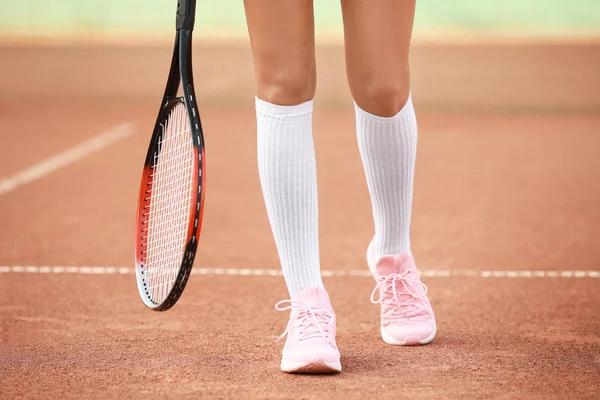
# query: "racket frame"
[[180, 74]]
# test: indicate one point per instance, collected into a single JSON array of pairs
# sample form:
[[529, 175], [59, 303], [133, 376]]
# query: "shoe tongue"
[[396, 264], [315, 297], [399, 264]]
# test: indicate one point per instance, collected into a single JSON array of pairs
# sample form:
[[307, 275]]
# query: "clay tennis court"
[[505, 230]]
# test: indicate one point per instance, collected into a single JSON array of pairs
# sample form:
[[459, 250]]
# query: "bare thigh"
[[377, 37], [283, 48]]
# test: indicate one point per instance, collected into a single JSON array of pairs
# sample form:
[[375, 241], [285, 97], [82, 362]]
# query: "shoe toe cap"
[[310, 353], [420, 332]]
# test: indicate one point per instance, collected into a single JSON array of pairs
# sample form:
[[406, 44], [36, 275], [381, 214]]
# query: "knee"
[[287, 86], [383, 97]]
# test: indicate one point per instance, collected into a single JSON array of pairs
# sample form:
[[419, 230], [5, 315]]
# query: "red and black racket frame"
[[180, 72]]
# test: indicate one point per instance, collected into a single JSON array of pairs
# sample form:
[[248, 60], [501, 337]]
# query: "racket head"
[[170, 206]]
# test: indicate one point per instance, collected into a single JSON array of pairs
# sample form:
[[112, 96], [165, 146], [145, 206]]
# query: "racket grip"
[[186, 13]]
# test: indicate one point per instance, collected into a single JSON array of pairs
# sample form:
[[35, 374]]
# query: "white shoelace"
[[313, 320], [412, 306]]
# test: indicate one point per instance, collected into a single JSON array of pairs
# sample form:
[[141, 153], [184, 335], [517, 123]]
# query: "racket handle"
[[186, 13]]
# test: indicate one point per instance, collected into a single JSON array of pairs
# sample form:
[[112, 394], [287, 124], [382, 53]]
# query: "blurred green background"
[[226, 17]]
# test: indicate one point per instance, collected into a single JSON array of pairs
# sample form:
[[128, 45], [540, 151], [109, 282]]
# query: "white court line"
[[428, 273], [65, 158]]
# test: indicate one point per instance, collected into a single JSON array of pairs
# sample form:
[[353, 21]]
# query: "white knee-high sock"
[[288, 176], [388, 148]]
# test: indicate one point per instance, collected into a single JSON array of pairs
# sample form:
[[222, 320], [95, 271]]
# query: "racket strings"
[[166, 170], [158, 203], [170, 204], [170, 151]]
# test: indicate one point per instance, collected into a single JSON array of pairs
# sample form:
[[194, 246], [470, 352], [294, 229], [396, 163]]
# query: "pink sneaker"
[[406, 314], [310, 346]]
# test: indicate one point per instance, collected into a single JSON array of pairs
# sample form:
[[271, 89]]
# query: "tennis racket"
[[171, 200]]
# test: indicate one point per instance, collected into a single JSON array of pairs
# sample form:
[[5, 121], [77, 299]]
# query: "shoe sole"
[[408, 341], [316, 367]]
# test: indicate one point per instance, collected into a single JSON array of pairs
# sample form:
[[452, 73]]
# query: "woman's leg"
[[282, 38], [377, 34], [283, 46]]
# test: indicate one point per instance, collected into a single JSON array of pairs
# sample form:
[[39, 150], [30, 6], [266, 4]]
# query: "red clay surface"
[[501, 192]]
